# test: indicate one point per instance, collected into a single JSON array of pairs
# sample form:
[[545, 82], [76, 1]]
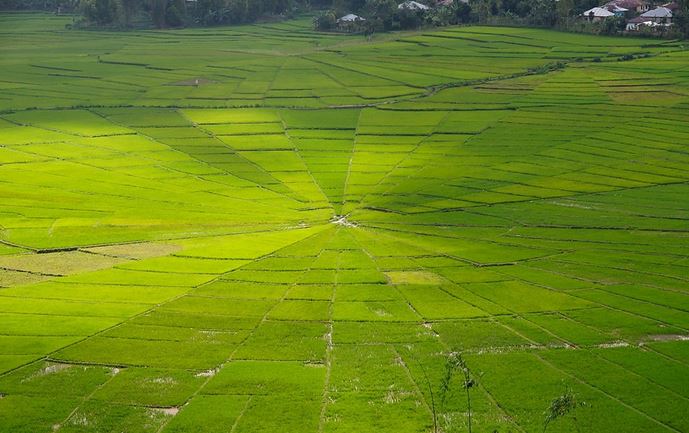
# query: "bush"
[[101, 12], [325, 21], [174, 17], [612, 26], [409, 19], [380, 13], [48, 5]]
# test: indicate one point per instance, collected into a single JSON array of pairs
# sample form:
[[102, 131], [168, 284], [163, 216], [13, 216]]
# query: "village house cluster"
[[639, 14], [410, 5]]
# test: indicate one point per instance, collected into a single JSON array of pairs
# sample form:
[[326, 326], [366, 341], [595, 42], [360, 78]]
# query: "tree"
[[158, 9], [682, 18], [325, 21], [612, 25], [101, 12], [440, 16], [462, 12], [237, 11], [380, 13], [520, 8], [543, 13], [175, 15], [409, 18], [210, 12], [565, 10], [482, 9], [129, 8], [349, 6]]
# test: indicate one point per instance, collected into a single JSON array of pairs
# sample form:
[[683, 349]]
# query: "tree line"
[[180, 13], [164, 13], [385, 15], [380, 15]]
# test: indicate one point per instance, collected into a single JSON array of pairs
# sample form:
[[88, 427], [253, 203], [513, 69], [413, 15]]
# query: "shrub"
[[561, 406], [325, 21], [174, 17]]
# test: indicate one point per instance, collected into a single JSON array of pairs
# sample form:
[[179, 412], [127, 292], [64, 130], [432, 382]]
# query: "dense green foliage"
[[36, 5], [681, 19], [174, 256], [386, 15], [179, 13], [380, 15]]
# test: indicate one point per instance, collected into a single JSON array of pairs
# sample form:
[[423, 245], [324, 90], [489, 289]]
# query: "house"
[[659, 15], [618, 11], [413, 6], [350, 18], [350, 23], [639, 6], [635, 24], [597, 14]]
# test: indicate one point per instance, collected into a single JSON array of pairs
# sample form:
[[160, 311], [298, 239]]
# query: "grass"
[[173, 257]]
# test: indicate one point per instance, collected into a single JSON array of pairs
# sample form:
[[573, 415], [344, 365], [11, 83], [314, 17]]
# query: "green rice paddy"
[[266, 229]]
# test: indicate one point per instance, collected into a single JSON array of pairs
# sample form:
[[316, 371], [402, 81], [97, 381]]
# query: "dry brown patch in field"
[[137, 251], [413, 277], [59, 263], [16, 278]]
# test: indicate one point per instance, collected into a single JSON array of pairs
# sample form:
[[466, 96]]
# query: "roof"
[[350, 18], [660, 12], [412, 5], [627, 4], [637, 20], [598, 13]]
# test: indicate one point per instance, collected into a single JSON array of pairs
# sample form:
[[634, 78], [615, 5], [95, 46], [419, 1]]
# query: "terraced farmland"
[[265, 229]]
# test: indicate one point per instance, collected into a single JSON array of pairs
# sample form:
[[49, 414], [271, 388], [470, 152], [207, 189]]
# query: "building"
[[597, 14], [618, 11], [635, 24], [659, 15], [350, 18], [638, 6], [412, 5], [350, 23]]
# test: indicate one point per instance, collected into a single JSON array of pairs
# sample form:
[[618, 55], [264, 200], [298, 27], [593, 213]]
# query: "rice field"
[[267, 229]]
